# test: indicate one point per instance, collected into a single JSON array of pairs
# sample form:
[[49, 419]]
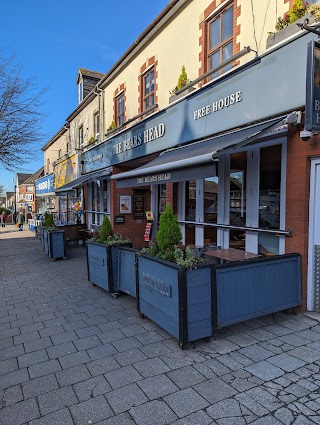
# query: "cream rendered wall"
[[52, 152], [85, 119], [175, 46], [262, 16]]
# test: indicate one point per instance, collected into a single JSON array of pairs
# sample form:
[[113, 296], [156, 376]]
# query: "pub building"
[[230, 159]]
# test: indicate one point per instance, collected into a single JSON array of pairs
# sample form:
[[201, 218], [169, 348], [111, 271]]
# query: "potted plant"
[[102, 261], [182, 81], [52, 239], [298, 13], [175, 285]]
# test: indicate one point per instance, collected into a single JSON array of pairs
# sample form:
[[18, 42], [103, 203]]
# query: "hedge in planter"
[[174, 289], [101, 263]]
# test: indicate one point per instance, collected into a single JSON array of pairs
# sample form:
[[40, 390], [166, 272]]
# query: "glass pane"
[[227, 54], [210, 209], [152, 80], [105, 195], [227, 24], [238, 166], [147, 84], [215, 61], [214, 34], [190, 211], [269, 197]]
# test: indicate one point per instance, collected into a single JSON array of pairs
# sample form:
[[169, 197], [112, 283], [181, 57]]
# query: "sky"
[[51, 40]]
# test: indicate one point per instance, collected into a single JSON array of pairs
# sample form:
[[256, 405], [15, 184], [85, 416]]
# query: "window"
[[59, 153], [96, 124], [220, 40], [80, 92], [120, 110], [148, 89], [80, 136]]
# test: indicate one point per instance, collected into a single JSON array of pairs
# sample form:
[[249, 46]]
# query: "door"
[[313, 302]]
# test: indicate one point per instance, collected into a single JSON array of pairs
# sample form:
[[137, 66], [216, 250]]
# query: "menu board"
[[139, 205]]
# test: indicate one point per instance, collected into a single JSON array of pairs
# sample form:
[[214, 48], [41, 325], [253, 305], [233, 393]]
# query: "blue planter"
[[56, 244], [124, 270], [253, 288], [41, 233], [99, 264], [53, 243], [177, 299]]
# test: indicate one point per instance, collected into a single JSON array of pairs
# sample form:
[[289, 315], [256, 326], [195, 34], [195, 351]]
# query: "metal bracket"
[[306, 27]]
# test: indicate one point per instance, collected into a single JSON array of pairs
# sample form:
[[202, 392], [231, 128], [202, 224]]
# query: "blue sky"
[[51, 40]]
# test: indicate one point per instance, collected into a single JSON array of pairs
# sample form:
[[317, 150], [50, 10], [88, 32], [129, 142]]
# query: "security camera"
[[305, 135]]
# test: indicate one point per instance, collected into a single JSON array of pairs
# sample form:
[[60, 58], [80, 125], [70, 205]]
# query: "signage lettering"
[[218, 105], [154, 178], [133, 142], [96, 157], [157, 285]]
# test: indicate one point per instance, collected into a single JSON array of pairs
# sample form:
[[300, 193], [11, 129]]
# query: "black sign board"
[[139, 205], [119, 219], [312, 117]]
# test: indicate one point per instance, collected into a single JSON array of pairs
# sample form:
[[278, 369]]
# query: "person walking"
[[3, 219], [20, 220]]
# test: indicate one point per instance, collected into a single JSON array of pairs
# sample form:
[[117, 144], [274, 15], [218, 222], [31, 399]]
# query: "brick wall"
[[297, 202]]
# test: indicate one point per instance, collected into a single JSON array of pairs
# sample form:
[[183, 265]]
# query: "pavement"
[[71, 354]]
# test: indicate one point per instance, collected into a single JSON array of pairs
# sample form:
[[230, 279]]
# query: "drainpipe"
[[97, 91]]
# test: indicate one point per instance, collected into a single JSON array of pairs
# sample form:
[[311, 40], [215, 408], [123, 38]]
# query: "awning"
[[193, 161], [68, 189]]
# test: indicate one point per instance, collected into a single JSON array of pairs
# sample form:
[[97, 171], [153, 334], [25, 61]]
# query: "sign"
[[29, 197], [149, 215], [125, 206], [119, 219], [44, 185], [26, 204], [139, 205], [312, 117], [147, 232]]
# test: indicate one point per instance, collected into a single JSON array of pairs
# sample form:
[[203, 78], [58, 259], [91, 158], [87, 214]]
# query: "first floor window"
[[220, 40], [148, 89], [96, 124], [120, 109]]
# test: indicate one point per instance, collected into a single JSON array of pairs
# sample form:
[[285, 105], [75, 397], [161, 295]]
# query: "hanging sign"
[[312, 116]]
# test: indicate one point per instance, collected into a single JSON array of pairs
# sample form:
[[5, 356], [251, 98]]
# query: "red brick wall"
[[133, 229], [203, 39], [297, 202]]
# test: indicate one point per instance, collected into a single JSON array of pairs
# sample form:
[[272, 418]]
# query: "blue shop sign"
[[44, 185]]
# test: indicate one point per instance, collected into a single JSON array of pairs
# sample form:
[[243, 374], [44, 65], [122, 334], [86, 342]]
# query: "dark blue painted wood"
[[46, 241], [254, 288], [124, 266], [97, 260], [56, 244], [163, 301]]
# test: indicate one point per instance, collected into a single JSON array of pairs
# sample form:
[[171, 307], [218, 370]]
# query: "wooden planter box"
[[177, 299], [103, 267], [252, 288], [54, 244], [124, 270], [287, 32]]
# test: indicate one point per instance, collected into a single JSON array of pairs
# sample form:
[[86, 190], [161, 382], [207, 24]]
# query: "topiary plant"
[[48, 222], [182, 81], [105, 229], [169, 233], [297, 10]]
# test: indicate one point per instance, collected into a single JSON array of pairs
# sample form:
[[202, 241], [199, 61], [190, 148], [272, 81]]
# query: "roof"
[[90, 74], [22, 177], [31, 179]]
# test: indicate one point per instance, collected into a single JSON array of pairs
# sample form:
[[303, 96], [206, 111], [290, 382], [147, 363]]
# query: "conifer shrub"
[[169, 233], [105, 229], [48, 222]]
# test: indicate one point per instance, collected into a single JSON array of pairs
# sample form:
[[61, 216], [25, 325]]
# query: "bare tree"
[[2, 190], [20, 115]]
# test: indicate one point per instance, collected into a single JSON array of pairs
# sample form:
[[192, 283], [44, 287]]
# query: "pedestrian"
[[3, 218], [20, 220]]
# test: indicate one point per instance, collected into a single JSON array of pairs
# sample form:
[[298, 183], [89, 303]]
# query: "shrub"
[[297, 10], [112, 126], [105, 229], [169, 233], [182, 81], [48, 222]]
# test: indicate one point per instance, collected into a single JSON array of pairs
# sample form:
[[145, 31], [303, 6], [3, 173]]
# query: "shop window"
[[210, 201], [238, 167], [269, 197], [148, 89], [190, 211], [162, 198], [120, 110], [220, 40], [105, 196]]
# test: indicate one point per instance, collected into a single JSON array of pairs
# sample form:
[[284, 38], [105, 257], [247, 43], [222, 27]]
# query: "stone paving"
[[72, 355]]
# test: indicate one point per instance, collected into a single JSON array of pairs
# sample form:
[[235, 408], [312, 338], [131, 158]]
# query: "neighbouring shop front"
[[45, 194]]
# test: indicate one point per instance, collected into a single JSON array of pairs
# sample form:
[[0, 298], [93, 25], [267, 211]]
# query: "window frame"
[[222, 44], [121, 115], [80, 136], [144, 96], [96, 124]]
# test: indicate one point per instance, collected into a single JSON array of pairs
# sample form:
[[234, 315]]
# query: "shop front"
[[45, 195]]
